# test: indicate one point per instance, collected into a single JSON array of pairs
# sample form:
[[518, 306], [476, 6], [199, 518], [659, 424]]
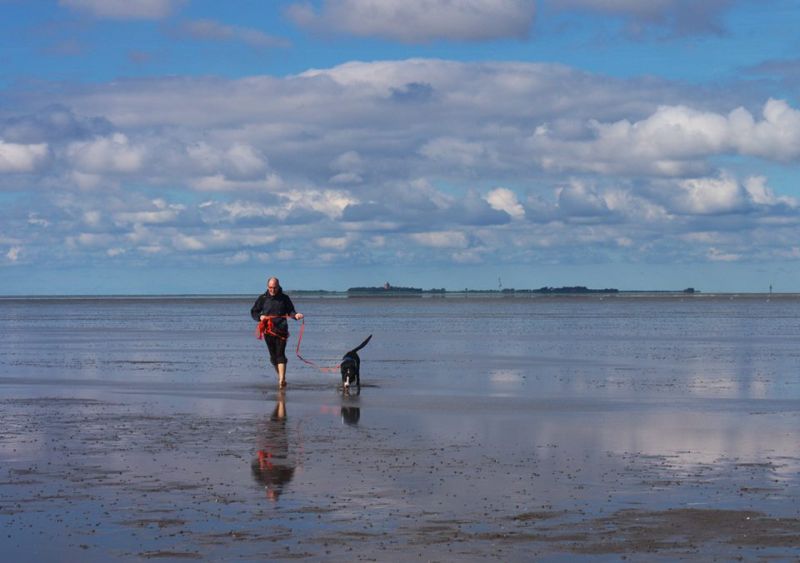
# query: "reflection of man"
[[271, 467]]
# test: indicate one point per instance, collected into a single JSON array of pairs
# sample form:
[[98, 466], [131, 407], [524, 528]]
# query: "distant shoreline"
[[450, 295]]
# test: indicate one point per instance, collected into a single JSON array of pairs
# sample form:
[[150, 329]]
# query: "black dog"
[[351, 366]]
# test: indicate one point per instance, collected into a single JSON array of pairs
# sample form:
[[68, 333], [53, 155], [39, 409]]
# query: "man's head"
[[273, 286]]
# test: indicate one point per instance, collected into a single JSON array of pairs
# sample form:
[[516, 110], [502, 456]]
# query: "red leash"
[[265, 327], [297, 351]]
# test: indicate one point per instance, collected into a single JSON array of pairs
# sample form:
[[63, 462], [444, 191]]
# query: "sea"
[[652, 347]]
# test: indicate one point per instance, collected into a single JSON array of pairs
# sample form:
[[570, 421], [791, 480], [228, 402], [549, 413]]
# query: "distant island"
[[388, 290]]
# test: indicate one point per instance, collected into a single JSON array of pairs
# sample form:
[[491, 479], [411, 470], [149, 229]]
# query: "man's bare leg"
[[281, 369]]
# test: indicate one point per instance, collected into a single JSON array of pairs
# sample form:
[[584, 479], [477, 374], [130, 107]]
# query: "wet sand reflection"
[[272, 467]]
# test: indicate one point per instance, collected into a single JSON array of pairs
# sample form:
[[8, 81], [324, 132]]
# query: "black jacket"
[[273, 306]]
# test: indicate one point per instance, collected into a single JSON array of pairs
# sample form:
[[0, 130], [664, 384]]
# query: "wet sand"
[[660, 449], [253, 474]]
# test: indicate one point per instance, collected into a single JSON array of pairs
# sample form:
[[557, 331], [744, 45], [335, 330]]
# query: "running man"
[[271, 310]]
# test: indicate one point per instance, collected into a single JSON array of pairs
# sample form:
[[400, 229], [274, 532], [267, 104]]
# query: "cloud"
[[34, 219], [15, 157], [112, 154], [675, 18], [579, 200], [458, 152], [51, 124], [239, 161], [776, 136], [420, 21], [717, 255], [413, 92], [211, 30], [348, 168], [14, 253], [261, 133], [292, 207], [785, 71], [513, 163], [162, 212], [125, 9], [505, 200], [724, 194], [710, 195], [441, 239], [334, 243], [673, 141]]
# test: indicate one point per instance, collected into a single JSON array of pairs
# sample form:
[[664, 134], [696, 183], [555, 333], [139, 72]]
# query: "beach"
[[513, 429]]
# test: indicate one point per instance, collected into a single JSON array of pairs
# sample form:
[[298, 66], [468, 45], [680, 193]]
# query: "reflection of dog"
[[351, 415], [351, 366]]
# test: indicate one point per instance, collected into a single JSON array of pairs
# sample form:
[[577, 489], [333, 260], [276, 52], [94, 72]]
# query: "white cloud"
[[470, 256], [673, 141], [717, 255], [580, 200], [163, 213], [504, 199], [244, 162], [761, 194], [88, 181], [256, 237], [114, 154], [238, 258], [35, 219], [13, 253], [237, 162], [328, 202], [776, 136], [420, 21], [186, 242], [15, 157], [441, 239], [333, 243], [346, 178], [413, 165], [91, 240], [710, 195], [124, 9]]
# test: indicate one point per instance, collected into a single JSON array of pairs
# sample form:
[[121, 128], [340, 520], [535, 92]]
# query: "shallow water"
[[574, 348], [485, 427]]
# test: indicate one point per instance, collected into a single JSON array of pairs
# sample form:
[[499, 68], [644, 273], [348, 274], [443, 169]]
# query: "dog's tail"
[[360, 346]]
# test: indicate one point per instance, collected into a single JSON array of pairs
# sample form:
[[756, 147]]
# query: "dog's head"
[[349, 369]]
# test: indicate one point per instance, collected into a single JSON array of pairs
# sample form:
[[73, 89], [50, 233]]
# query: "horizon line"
[[596, 292]]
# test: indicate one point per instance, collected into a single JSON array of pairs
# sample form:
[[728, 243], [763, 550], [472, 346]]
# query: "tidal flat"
[[554, 429]]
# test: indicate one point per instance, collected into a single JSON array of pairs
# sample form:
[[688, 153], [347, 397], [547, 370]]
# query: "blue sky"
[[186, 146]]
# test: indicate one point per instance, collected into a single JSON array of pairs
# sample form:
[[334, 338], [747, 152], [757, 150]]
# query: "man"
[[272, 309]]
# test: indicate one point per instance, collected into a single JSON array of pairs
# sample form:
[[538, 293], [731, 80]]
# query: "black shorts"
[[277, 349]]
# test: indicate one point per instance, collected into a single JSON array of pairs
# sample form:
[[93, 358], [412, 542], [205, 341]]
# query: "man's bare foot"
[[282, 384]]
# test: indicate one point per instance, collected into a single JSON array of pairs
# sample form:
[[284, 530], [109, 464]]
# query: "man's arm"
[[255, 310]]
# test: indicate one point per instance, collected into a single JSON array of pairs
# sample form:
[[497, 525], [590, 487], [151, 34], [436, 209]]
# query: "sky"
[[198, 146]]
